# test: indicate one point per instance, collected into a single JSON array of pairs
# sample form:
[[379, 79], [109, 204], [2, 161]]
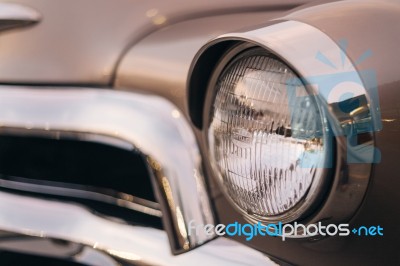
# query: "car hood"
[[81, 42]]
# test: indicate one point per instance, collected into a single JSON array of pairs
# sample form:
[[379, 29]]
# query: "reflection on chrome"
[[95, 240], [143, 121], [124, 255], [123, 200], [15, 15]]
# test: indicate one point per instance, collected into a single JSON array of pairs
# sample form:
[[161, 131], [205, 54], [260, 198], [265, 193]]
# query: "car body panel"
[[81, 42], [160, 63], [363, 24], [366, 26], [137, 50]]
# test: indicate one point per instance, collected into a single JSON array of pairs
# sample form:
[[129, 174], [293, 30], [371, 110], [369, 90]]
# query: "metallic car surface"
[[160, 62], [149, 123], [362, 35], [135, 245], [81, 42], [150, 49], [366, 25], [15, 15]]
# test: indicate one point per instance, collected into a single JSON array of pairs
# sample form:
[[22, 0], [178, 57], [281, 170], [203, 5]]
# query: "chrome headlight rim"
[[316, 193], [350, 182]]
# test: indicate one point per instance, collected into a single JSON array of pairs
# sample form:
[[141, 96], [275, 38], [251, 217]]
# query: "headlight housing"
[[267, 138]]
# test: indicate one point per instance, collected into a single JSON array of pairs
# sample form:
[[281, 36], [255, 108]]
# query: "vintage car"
[[220, 132]]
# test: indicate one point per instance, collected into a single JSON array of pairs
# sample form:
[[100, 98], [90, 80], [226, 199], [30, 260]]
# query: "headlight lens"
[[266, 137]]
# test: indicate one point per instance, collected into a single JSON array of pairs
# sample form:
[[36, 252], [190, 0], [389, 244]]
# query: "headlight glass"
[[266, 136]]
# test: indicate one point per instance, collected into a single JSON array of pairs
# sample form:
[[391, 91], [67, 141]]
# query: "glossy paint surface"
[[81, 42], [366, 25], [160, 63], [167, 53]]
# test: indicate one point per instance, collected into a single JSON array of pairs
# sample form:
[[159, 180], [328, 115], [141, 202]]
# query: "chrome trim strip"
[[16, 15], [123, 200], [150, 123], [135, 245]]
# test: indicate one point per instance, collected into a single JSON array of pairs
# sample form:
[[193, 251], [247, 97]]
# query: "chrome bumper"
[[150, 124], [156, 129], [102, 241]]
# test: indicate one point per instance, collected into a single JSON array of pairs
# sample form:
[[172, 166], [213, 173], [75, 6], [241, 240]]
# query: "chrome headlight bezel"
[[297, 44]]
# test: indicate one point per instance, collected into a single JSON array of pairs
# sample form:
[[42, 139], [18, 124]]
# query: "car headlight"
[[267, 138]]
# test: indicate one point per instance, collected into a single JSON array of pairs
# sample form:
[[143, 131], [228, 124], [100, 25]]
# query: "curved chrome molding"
[[119, 199], [300, 45], [16, 15], [94, 240], [151, 124]]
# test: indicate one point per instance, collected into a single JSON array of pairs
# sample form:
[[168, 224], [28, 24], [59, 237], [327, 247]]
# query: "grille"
[[112, 181]]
